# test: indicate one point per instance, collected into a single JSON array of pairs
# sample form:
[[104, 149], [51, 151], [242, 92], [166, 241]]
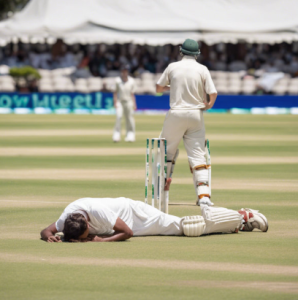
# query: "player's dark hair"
[[74, 226]]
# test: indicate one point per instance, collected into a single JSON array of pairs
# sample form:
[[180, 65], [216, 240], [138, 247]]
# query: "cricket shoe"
[[116, 137], [130, 137], [253, 219]]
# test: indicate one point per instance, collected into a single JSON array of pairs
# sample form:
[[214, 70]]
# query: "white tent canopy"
[[154, 22]]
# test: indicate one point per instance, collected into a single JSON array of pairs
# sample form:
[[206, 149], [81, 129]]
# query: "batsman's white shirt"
[[141, 218], [189, 82]]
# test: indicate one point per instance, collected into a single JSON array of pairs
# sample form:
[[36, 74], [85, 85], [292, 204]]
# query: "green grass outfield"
[[48, 161]]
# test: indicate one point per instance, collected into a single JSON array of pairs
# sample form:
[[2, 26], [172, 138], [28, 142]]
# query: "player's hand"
[[207, 106], [167, 184], [206, 201], [53, 239], [97, 239], [93, 238]]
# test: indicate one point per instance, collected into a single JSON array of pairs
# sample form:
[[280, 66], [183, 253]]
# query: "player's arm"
[[163, 84], [133, 97], [210, 90], [161, 89], [210, 103], [48, 234], [122, 233]]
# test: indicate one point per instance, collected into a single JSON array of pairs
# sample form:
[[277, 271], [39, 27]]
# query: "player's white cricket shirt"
[[125, 89], [141, 218], [189, 83], [103, 213]]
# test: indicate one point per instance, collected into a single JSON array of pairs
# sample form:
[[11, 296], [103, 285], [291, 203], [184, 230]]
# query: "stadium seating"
[[7, 87], [61, 80], [109, 83], [281, 87], [7, 83], [94, 84], [293, 87], [46, 88], [81, 85], [248, 86]]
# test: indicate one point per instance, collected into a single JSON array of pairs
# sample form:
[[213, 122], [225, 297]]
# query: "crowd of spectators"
[[102, 60]]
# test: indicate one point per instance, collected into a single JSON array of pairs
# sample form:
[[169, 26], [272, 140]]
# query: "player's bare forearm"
[[116, 237], [121, 233], [212, 99], [161, 89], [48, 234]]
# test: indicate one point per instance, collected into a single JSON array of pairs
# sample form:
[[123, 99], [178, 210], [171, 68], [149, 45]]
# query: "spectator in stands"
[[152, 59], [82, 70], [294, 66]]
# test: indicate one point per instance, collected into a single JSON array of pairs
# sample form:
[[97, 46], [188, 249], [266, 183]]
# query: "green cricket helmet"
[[190, 47]]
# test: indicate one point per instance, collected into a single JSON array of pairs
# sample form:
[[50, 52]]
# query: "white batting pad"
[[201, 176], [193, 225], [219, 219]]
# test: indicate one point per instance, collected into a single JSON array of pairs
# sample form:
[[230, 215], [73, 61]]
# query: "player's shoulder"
[[131, 79], [202, 67], [118, 79], [174, 64]]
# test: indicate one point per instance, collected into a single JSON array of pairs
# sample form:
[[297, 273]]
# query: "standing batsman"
[[190, 85], [125, 103]]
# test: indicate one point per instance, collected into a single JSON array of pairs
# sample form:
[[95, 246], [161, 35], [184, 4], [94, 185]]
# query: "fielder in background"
[[124, 103], [190, 85], [118, 219]]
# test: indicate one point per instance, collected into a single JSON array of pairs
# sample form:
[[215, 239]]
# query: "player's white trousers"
[[189, 125], [126, 108], [148, 220]]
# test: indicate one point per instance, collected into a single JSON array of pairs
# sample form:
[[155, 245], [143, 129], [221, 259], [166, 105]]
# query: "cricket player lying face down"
[[118, 219], [190, 86]]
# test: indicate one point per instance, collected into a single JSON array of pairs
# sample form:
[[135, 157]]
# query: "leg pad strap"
[[199, 167], [203, 190]]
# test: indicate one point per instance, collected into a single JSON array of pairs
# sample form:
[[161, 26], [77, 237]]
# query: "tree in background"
[[9, 7]]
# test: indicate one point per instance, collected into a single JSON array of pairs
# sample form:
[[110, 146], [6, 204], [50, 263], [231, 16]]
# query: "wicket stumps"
[[156, 173]]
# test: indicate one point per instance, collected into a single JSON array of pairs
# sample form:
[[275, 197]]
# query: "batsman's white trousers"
[[126, 108], [148, 220], [189, 125]]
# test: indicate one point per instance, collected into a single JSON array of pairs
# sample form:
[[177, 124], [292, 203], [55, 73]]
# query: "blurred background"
[[73, 50]]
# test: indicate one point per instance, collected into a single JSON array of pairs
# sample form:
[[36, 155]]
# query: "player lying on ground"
[[118, 219]]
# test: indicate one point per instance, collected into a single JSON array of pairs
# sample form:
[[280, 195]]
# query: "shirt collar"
[[188, 57]]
